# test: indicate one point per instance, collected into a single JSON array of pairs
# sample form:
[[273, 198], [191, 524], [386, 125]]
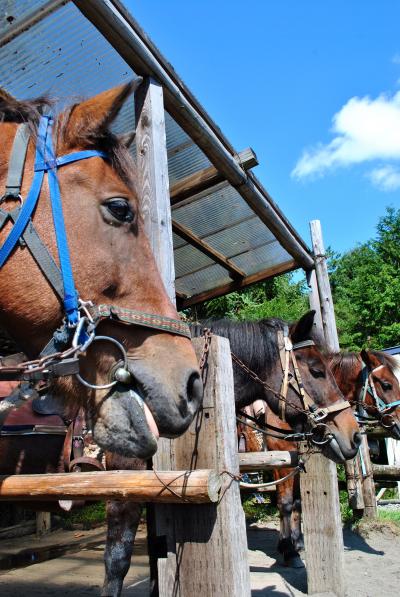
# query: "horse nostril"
[[194, 388], [357, 439]]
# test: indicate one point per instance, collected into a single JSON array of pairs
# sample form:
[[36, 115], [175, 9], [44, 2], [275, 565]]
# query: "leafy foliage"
[[278, 297], [366, 288]]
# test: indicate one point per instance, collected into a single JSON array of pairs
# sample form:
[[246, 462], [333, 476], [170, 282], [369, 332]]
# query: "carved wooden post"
[[323, 537]]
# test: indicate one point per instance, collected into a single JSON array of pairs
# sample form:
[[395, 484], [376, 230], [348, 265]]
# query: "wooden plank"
[[207, 178], [324, 288], [196, 487], [124, 38], [386, 471], [313, 298], [153, 181], [43, 523], [257, 461], [211, 541], [288, 266], [207, 249], [322, 525]]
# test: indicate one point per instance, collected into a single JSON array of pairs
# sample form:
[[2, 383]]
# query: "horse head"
[[111, 261], [382, 389], [323, 403]]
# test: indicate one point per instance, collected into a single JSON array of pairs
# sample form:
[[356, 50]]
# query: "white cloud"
[[386, 178], [365, 129]]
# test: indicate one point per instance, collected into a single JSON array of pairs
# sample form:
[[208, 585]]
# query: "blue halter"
[[47, 162]]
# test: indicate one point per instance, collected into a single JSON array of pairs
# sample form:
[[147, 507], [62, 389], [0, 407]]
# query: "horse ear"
[[302, 329], [91, 118], [370, 359]]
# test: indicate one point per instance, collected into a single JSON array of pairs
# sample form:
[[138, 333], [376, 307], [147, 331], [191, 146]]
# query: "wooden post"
[[354, 485], [153, 185], [368, 485], [313, 298], [43, 523], [322, 524], [324, 288], [211, 540]]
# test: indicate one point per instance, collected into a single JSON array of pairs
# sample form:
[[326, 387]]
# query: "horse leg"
[[122, 523], [296, 533]]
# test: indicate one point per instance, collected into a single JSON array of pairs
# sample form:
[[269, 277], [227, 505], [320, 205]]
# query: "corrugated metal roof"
[[64, 56]]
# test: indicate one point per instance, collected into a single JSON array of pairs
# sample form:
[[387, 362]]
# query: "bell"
[[123, 375]]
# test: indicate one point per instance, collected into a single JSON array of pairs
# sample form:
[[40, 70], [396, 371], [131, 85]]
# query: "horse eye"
[[317, 372], [120, 209], [386, 385]]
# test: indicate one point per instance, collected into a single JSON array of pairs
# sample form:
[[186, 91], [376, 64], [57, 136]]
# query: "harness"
[[383, 409], [315, 414], [78, 330]]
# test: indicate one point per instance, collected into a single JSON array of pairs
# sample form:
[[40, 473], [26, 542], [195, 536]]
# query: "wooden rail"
[[194, 487], [259, 461], [386, 471]]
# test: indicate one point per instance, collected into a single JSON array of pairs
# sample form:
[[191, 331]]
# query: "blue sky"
[[274, 73]]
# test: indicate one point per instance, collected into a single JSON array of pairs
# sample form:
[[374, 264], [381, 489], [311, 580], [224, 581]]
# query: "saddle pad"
[[25, 417]]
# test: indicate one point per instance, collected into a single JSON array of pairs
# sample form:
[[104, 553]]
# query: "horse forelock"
[[386, 359], [345, 364], [30, 111]]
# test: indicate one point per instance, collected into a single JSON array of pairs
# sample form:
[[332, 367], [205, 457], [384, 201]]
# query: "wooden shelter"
[[214, 229]]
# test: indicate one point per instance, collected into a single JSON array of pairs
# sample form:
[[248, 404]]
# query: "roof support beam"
[[122, 32], [207, 178], [236, 285], [195, 241], [35, 16]]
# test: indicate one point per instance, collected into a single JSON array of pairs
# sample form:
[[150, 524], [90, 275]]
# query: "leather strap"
[[17, 162]]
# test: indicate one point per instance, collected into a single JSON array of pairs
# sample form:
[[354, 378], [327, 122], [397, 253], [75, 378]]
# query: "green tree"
[[277, 297], [366, 288]]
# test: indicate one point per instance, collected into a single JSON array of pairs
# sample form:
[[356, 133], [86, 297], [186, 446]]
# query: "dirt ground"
[[372, 566]]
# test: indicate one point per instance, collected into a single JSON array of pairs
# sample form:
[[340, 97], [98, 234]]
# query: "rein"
[[78, 330]]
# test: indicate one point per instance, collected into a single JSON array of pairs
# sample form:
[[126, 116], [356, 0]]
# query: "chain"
[[265, 385], [207, 335]]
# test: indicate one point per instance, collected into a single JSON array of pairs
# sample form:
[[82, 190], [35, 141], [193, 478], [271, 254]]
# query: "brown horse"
[[256, 344], [111, 259], [362, 378]]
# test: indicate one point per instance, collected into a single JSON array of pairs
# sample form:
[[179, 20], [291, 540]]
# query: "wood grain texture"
[[324, 287], [43, 523], [207, 178], [211, 540], [198, 487], [153, 181], [368, 485], [386, 471], [354, 483], [322, 526], [257, 461], [313, 299]]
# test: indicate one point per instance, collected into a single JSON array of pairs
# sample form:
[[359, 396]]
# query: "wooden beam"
[[153, 181], [324, 287], [207, 249], [211, 541], [195, 299], [207, 178], [386, 471], [322, 525], [122, 33], [179, 487], [259, 461]]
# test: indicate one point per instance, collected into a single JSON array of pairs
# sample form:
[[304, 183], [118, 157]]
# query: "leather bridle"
[[78, 330]]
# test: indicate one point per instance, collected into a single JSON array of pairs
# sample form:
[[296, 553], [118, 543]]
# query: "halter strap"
[[287, 354], [368, 387]]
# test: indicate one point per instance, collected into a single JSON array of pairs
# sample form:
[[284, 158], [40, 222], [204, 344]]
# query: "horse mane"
[[254, 342], [344, 363], [29, 111]]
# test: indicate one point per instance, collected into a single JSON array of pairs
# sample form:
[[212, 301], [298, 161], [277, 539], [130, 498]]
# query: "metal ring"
[[323, 442], [11, 197], [391, 419], [112, 383]]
